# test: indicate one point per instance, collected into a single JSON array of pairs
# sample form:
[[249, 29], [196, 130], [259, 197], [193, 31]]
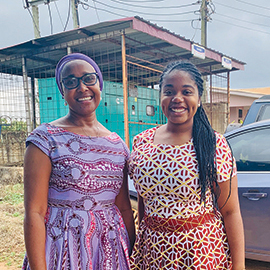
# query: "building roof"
[[256, 91], [154, 44]]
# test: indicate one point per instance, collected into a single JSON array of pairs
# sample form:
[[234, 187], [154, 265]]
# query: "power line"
[[50, 16], [250, 12], [248, 28], [156, 14], [144, 1], [230, 17], [252, 4], [121, 15], [157, 20], [167, 7], [59, 14], [34, 22], [117, 14], [69, 4], [96, 11]]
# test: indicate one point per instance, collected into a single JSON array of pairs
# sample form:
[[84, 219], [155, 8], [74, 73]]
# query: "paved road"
[[255, 265]]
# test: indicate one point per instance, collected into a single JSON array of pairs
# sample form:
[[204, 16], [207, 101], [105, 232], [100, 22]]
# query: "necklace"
[[85, 133], [89, 136]]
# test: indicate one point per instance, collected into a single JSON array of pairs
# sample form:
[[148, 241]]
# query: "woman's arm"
[[122, 201], [37, 170], [230, 211]]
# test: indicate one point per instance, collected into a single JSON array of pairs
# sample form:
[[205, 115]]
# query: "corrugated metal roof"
[[156, 45]]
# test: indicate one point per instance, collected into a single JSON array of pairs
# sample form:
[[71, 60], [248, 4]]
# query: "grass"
[[11, 227]]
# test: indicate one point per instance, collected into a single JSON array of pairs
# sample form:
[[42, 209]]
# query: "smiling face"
[[179, 98], [82, 100]]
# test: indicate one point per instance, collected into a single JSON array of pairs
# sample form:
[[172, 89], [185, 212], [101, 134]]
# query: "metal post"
[[33, 92], [211, 97], [125, 86], [69, 50], [228, 98], [26, 96]]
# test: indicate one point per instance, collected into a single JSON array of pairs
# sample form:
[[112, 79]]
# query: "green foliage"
[[12, 194], [16, 125]]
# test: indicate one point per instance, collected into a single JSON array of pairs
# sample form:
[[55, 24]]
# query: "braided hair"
[[204, 138]]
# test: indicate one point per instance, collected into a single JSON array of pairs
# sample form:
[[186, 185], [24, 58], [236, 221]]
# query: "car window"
[[264, 112], [252, 150]]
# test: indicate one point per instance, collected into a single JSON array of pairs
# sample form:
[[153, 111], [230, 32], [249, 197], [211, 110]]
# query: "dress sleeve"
[[39, 137], [225, 162], [126, 150]]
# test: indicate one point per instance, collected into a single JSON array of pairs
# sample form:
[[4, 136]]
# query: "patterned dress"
[[84, 228], [177, 231]]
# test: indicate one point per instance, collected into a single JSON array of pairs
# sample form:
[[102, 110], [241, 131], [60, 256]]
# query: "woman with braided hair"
[[186, 181]]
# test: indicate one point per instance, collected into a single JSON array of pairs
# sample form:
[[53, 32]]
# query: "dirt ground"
[[4, 266], [11, 227]]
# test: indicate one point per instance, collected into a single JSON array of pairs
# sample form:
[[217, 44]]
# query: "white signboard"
[[198, 51], [226, 62]]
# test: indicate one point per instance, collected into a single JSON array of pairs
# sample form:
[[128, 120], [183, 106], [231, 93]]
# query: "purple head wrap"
[[75, 56]]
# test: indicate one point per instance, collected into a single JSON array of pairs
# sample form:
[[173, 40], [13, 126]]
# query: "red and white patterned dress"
[[177, 231]]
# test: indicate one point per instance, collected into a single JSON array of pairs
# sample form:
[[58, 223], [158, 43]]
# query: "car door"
[[251, 148]]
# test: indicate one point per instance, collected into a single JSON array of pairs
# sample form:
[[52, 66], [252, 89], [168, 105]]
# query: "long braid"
[[204, 138]]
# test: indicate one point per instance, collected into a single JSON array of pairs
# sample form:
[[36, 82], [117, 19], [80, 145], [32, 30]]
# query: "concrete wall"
[[11, 175], [12, 148], [219, 116]]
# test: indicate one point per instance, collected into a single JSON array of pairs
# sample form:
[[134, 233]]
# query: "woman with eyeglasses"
[[77, 209]]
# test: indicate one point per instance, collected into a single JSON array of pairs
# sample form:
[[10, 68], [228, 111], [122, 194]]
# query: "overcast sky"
[[238, 28]]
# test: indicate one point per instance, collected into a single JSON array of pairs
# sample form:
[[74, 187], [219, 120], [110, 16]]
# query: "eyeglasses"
[[88, 79]]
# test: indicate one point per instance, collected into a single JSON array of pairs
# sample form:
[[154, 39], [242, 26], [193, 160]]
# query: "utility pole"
[[75, 14], [35, 13], [204, 19]]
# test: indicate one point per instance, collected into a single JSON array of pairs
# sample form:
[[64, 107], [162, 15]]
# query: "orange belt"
[[177, 225]]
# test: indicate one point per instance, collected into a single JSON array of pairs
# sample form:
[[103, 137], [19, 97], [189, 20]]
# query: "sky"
[[239, 29]]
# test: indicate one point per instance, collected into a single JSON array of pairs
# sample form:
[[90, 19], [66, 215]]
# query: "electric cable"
[[143, 1], [268, 33], [230, 17], [59, 14], [158, 20], [196, 28], [167, 7], [252, 4], [50, 16], [96, 11], [33, 21], [156, 14], [250, 12], [121, 15], [105, 10], [69, 4]]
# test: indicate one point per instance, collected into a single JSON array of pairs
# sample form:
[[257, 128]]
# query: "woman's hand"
[[230, 210], [122, 201]]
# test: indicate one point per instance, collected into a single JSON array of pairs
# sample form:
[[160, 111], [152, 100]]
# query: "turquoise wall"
[[110, 112]]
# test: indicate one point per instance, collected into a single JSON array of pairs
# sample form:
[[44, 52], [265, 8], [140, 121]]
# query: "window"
[[240, 113], [252, 150], [150, 110], [264, 112]]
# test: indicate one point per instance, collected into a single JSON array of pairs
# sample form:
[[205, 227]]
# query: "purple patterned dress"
[[84, 228]]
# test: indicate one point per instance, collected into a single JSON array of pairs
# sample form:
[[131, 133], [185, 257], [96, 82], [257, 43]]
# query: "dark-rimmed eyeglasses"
[[72, 82]]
